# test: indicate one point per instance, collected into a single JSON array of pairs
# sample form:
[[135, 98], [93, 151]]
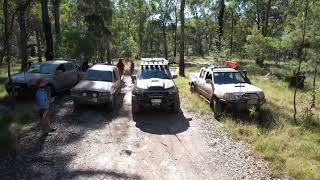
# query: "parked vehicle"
[[100, 85], [226, 88], [59, 75], [154, 86]]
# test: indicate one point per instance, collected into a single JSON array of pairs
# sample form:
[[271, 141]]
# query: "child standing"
[[43, 104]]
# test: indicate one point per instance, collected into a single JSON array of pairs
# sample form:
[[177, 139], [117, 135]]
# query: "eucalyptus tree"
[[46, 25], [98, 16]]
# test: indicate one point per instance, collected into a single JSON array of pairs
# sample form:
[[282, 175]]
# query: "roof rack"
[[154, 61], [217, 66]]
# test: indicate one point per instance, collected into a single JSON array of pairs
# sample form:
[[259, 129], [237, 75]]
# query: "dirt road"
[[94, 143]]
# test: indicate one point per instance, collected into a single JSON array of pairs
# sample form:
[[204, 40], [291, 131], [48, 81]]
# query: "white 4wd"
[[226, 88]]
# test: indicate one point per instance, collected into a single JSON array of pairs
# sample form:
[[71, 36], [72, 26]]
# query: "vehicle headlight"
[[94, 95], [261, 95], [104, 94], [230, 97], [172, 90], [137, 91], [84, 94]]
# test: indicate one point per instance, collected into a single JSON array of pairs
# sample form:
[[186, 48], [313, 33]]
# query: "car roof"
[[223, 70], [103, 67]]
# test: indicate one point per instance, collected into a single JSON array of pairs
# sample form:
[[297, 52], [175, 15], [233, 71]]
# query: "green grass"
[[291, 149]]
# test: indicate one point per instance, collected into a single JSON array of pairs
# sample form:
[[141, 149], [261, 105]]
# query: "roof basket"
[[154, 61]]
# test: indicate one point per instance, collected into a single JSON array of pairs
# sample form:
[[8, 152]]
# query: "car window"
[[96, 75], [114, 76], [202, 73], [228, 78], [41, 68], [209, 75], [70, 66], [154, 73], [61, 68]]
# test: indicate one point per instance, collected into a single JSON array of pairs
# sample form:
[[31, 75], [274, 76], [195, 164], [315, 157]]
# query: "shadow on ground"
[[44, 157], [160, 122]]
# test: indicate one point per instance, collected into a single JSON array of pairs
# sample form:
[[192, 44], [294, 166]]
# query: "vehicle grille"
[[252, 97], [155, 88], [155, 94], [89, 93]]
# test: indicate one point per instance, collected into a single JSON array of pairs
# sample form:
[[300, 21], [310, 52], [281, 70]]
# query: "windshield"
[[40, 68], [228, 78], [95, 75], [154, 73]]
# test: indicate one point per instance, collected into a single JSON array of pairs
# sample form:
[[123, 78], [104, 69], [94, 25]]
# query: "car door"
[[116, 81], [201, 82], [208, 86], [59, 78], [71, 74]]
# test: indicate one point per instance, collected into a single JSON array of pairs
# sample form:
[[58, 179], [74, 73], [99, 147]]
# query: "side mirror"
[[208, 81], [174, 76]]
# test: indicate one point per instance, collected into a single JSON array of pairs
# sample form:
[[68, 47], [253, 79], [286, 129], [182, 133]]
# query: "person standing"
[[132, 67], [120, 67], [43, 104]]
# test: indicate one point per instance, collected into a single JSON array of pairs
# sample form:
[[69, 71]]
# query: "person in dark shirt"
[[43, 104], [120, 67]]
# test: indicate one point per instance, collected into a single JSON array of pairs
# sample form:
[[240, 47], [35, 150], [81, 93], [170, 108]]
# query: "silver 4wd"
[[154, 86], [226, 88]]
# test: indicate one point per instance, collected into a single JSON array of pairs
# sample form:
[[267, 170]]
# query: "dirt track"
[[94, 143]]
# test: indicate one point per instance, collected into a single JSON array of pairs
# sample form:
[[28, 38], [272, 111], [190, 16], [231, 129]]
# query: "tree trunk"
[[258, 14], [23, 54], [301, 58], [165, 43], [175, 33], [56, 14], [39, 49], [221, 23], [266, 19], [315, 73], [109, 58], [47, 30], [232, 30], [181, 63]]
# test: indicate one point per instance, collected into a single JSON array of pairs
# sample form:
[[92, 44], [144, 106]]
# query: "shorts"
[[41, 112]]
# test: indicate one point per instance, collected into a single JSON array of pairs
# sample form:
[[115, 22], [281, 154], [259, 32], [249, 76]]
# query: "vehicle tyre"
[[176, 106], [135, 107], [192, 88], [217, 108], [76, 105], [112, 103]]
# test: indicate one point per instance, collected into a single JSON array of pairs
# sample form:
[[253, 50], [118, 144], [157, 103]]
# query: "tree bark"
[[266, 19], [221, 23], [315, 73], [181, 63], [232, 30], [23, 53], [165, 43], [301, 57], [47, 30], [258, 14], [39, 48], [175, 33], [56, 14], [109, 58]]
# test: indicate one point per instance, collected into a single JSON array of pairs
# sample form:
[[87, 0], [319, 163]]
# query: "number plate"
[[252, 102], [156, 101]]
